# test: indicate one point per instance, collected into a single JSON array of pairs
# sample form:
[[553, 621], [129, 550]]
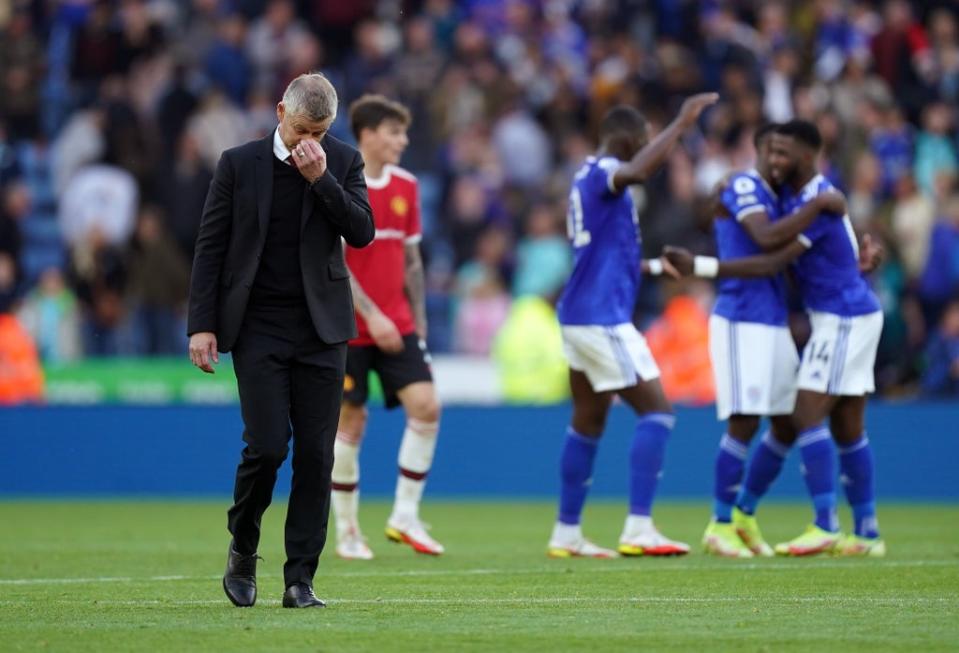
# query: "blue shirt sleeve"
[[743, 196], [601, 177]]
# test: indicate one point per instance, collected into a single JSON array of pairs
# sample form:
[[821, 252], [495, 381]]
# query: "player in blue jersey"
[[836, 369], [836, 372], [606, 354], [753, 356]]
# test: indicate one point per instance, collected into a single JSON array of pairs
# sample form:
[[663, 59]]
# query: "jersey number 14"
[[578, 235]]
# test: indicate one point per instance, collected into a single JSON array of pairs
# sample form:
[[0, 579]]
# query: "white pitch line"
[[557, 567], [538, 600]]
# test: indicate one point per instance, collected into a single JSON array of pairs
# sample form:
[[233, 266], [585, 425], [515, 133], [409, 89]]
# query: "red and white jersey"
[[380, 267]]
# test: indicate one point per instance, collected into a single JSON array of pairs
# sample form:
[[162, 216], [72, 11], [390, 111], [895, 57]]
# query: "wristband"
[[654, 266], [705, 266]]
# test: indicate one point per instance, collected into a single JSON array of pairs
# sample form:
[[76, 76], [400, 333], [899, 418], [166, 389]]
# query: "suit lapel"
[[264, 183]]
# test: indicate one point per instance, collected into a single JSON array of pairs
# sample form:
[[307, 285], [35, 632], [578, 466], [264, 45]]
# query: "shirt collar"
[[280, 150]]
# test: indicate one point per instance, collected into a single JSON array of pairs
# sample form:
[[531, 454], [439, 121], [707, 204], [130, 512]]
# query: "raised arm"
[[770, 235], [651, 157], [347, 206]]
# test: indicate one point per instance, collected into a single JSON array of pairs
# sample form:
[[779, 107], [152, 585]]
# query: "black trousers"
[[291, 385]]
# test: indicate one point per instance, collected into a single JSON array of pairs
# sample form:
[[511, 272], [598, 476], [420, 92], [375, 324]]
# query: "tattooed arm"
[[382, 330], [415, 283]]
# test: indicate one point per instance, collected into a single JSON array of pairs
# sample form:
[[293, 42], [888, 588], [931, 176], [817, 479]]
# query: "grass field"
[[107, 576]]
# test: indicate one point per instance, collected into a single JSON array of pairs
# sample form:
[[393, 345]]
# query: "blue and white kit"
[[844, 312], [596, 307], [753, 356]]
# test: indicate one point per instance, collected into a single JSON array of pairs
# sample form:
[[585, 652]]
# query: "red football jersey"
[[380, 267]]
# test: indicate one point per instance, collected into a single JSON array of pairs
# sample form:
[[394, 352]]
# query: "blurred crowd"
[[114, 113]]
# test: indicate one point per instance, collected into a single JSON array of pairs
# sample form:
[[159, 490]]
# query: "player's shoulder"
[[815, 186], [401, 174], [400, 180]]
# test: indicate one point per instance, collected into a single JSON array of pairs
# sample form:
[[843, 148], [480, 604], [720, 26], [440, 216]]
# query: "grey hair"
[[311, 95]]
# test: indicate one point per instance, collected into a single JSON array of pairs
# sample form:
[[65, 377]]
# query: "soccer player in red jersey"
[[388, 296]]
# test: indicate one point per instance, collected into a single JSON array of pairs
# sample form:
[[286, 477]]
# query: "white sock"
[[636, 524], [415, 460], [345, 496], [565, 533]]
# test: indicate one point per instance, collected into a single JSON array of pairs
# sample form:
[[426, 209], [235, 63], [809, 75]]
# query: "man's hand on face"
[[310, 159]]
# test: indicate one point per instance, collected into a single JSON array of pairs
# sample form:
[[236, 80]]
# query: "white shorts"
[[754, 366], [841, 353], [612, 357]]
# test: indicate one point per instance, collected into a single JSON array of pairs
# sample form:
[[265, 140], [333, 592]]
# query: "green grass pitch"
[[111, 576]]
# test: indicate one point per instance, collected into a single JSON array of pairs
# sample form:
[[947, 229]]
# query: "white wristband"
[[654, 266], [705, 266]]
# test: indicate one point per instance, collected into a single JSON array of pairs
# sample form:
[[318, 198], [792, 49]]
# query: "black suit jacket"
[[233, 231]]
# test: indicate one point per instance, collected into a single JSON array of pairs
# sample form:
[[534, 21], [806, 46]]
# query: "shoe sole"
[[400, 537], [665, 551], [565, 554], [234, 601], [806, 553]]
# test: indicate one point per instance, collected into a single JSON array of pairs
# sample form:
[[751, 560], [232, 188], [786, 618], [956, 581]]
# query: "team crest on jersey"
[[348, 383], [399, 205]]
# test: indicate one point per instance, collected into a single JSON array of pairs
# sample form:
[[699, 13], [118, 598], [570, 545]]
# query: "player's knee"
[[589, 424], [352, 423], [425, 409], [743, 427]]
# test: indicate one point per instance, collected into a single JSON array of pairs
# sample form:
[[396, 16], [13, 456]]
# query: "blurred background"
[[114, 113]]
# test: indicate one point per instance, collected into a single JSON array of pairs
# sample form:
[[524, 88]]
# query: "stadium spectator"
[[50, 313], [21, 378], [14, 205], [504, 96], [543, 260], [159, 279], [941, 377]]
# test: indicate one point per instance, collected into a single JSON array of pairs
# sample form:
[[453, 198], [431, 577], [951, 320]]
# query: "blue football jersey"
[[603, 228], [828, 273], [747, 300]]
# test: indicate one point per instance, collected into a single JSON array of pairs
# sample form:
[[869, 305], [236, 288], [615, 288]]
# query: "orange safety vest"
[[679, 340], [21, 375]]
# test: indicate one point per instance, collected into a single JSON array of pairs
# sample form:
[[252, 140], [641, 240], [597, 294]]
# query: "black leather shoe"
[[239, 581], [300, 595]]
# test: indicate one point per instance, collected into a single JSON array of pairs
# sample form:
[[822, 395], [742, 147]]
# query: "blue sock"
[[730, 461], [763, 469], [646, 460], [576, 472], [819, 470], [855, 464]]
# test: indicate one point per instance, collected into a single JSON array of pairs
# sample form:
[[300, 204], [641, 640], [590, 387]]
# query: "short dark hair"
[[621, 118], [763, 131], [371, 110], [803, 131]]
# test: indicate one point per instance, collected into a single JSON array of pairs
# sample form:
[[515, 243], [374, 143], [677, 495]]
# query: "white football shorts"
[[754, 366], [841, 353], [612, 357]]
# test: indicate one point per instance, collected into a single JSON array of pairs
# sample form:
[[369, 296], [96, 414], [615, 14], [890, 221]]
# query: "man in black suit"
[[270, 285]]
